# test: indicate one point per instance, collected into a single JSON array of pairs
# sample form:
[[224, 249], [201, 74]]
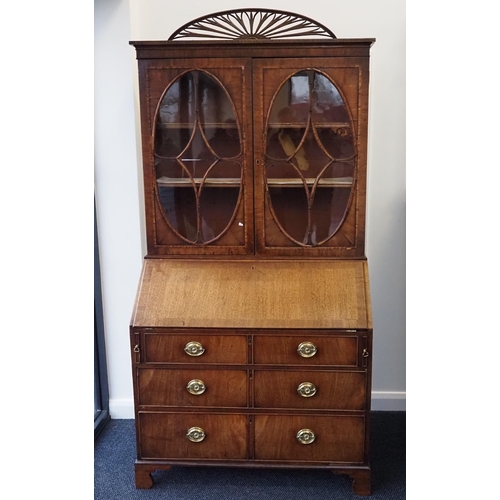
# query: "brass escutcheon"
[[305, 436], [195, 434], [306, 389], [196, 387], [307, 349], [194, 349], [365, 353]]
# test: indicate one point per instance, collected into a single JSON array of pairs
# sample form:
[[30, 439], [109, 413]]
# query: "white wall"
[[118, 178], [116, 191]]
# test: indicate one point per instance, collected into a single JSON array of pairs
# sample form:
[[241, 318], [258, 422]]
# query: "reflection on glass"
[[179, 206], [197, 157], [310, 156]]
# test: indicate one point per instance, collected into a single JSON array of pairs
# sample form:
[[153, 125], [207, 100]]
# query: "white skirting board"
[[121, 408], [381, 401], [388, 401]]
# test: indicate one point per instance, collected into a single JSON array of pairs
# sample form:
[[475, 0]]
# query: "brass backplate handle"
[[365, 353], [307, 389], [305, 436], [307, 349], [195, 434], [196, 387], [194, 349]]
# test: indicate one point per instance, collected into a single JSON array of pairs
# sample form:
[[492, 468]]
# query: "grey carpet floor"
[[114, 472]]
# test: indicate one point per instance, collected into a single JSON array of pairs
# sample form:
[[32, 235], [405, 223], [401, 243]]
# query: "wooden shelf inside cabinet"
[[336, 182], [184, 182], [332, 125], [176, 125]]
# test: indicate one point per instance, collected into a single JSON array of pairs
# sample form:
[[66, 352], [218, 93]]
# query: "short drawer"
[[165, 436], [195, 348], [342, 390], [306, 350], [217, 388], [302, 438]]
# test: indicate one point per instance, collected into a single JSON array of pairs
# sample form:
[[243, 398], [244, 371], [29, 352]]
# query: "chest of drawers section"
[[254, 397]]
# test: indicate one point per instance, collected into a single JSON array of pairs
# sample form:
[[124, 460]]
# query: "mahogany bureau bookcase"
[[251, 335]]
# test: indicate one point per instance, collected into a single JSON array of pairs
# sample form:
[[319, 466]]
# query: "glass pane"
[[327, 103], [178, 104], [218, 197], [223, 139], [290, 207], [216, 208], [288, 144], [327, 213], [179, 205], [338, 174], [176, 117], [288, 198], [290, 106], [337, 140], [198, 157], [309, 140]]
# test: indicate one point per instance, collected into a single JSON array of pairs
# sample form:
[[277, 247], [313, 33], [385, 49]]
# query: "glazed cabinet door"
[[310, 156], [195, 117]]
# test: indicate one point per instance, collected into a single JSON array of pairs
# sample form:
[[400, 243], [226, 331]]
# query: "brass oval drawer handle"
[[194, 349], [305, 436], [196, 387], [307, 349], [306, 389], [195, 434]]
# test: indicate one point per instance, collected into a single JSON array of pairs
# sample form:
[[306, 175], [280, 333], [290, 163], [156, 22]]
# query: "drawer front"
[[310, 389], [164, 436], [336, 439], [331, 351], [170, 348], [166, 387]]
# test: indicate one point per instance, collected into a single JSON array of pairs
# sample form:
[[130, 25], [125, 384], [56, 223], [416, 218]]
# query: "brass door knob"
[[307, 349], [305, 436], [195, 434], [306, 389], [196, 387], [194, 349]]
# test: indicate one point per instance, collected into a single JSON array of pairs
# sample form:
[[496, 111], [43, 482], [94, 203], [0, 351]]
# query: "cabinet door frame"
[[155, 75], [357, 100]]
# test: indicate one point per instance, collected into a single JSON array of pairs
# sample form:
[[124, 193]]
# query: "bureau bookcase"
[[251, 335]]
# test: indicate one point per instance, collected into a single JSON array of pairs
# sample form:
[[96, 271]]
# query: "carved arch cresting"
[[252, 24]]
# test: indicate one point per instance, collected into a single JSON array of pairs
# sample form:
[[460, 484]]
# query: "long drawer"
[[193, 387], [192, 436], [340, 390]]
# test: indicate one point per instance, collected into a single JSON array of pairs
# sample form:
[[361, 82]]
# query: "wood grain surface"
[[252, 294]]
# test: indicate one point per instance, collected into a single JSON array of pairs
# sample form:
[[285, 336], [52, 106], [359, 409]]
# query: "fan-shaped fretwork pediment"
[[252, 24]]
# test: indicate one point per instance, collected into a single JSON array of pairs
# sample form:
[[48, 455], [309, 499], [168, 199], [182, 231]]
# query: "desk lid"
[[253, 294]]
